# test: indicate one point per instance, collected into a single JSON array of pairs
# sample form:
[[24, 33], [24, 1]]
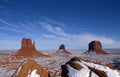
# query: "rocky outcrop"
[[31, 69], [95, 47], [62, 49], [28, 48], [79, 68]]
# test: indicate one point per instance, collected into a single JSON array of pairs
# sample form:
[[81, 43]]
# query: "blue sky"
[[53, 22]]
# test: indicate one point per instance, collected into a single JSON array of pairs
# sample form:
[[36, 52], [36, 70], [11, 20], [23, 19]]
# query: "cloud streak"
[[55, 30], [51, 36], [54, 22], [79, 41], [75, 40], [8, 24], [26, 28], [4, 1]]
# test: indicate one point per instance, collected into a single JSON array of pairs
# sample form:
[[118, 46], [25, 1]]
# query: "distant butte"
[[62, 49], [28, 49], [95, 47]]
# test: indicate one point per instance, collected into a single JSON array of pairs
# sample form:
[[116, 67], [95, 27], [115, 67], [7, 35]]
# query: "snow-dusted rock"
[[31, 69], [79, 68]]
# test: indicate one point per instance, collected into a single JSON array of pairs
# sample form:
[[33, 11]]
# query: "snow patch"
[[84, 72], [94, 75], [109, 72], [34, 74]]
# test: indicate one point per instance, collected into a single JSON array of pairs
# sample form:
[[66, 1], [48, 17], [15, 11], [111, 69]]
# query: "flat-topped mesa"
[[95, 47], [62, 49], [28, 48]]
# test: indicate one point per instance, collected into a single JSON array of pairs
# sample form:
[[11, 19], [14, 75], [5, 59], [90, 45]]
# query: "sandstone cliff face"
[[31, 69], [28, 48], [96, 46], [27, 44], [62, 49]]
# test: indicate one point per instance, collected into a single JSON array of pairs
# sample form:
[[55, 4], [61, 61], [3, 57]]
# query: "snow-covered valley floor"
[[8, 64]]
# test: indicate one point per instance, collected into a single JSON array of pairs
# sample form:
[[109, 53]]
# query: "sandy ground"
[[8, 63]]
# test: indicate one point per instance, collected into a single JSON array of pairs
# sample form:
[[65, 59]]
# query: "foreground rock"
[[62, 49], [31, 69], [28, 49], [79, 68], [95, 47]]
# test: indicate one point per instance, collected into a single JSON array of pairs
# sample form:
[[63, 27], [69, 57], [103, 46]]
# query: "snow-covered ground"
[[86, 70], [107, 70], [9, 64]]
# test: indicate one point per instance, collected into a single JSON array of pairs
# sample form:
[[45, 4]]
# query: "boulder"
[[28, 49], [62, 49], [95, 47], [30, 68]]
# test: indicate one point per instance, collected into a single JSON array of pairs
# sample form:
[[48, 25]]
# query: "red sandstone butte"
[[28, 49], [96, 46], [62, 49]]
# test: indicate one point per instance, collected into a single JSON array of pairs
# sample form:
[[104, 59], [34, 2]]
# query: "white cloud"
[[55, 37], [7, 23], [106, 41], [77, 40], [50, 36], [25, 28], [55, 30], [54, 22], [59, 31], [89, 37]]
